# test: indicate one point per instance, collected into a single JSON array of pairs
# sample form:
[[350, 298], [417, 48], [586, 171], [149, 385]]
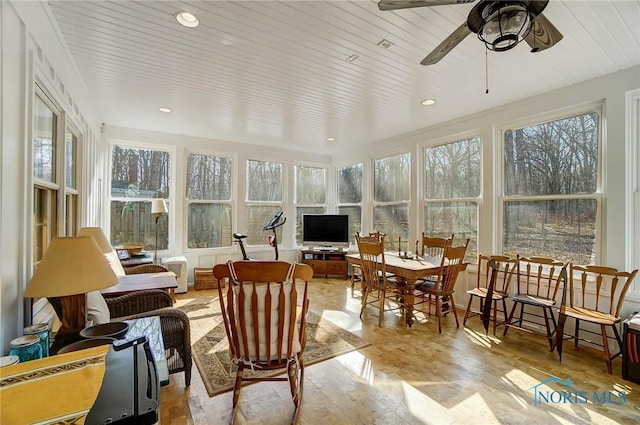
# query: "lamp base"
[[72, 318]]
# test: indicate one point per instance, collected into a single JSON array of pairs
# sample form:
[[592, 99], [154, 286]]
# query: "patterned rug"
[[210, 347]]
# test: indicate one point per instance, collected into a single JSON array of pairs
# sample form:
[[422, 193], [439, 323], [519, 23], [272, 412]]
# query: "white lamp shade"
[[98, 235], [71, 266], [158, 206]]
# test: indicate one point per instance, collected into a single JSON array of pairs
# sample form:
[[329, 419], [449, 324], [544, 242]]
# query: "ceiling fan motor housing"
[[501, 25]]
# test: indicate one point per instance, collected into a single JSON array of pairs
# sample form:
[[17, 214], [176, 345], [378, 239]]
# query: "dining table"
[[408, 270]]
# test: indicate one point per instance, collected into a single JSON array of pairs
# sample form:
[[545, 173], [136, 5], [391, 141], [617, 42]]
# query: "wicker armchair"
[[176, 332]]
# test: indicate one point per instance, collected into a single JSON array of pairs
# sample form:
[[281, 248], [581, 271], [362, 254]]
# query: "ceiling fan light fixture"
[[504, 25], [187, 19]]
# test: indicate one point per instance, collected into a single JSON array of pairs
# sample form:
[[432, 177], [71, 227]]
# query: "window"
[[311, 194], [452, 190], [71, 187], [264, 198], [350, 197], [551, 202], [138, 176], [208, 201], [45, 177], [391, 195]]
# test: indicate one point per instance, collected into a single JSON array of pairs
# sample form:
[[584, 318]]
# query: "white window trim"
[[233, 201], [500, 199]]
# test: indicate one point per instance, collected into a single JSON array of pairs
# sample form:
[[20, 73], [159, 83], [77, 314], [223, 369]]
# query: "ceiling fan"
[[500, 24]]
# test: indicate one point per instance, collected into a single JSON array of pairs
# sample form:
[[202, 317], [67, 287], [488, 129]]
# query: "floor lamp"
[[158, 207], [70, 268]]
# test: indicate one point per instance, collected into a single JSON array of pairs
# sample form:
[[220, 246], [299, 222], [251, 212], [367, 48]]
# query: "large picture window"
[[551, 202], [311, 194], [452, 191], [350, 197], [137, 177], [208, 201], [391, 196], [264, 199]]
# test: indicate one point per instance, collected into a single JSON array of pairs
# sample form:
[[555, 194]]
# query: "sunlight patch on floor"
[[345, 320], [359, 365], [481, 339], [430, 411]]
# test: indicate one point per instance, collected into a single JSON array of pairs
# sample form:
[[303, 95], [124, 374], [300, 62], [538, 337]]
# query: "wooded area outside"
[[557, 164], [550, 203], [209, 210], [391, 194], [452, 192], [137, 177], [350, 197]]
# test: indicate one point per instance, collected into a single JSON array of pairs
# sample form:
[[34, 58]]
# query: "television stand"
[[326, 260]]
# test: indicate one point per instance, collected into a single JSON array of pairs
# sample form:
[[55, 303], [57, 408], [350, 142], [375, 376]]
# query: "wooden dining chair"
[[356, 273], [537, 281], [441, 291], [504, 271], [596, 295], [434, 246], [432, 250], [378, 286], [264, 311]]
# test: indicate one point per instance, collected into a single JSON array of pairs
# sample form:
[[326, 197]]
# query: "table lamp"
[[158, 207], [71, 267]]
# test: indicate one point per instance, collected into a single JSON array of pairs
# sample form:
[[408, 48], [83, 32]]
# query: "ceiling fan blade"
[[447, 45], [406, 4], [543, 34]]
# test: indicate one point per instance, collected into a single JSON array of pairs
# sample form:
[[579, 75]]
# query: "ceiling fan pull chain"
[[486, 69]]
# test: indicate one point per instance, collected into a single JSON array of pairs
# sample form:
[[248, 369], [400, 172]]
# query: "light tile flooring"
[[417, 376]]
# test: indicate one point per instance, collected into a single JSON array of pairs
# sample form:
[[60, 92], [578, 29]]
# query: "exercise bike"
[[272, 224]]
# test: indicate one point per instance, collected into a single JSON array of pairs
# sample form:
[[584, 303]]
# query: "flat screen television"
[[325, 230]]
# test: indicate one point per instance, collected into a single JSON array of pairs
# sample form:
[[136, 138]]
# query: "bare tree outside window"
[[551, 202], [350, 197], [209, 209], [452, 191], [137, 177], [264, 199], [392, 193], [311, 194]]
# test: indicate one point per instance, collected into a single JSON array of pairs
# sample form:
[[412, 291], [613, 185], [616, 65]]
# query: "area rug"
[[210, 347]]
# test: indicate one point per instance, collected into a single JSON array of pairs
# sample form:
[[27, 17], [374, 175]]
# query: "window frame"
[[296, 204], [169, 200], [359, 205], [391, 239], [500, 199], [232, 201], [270, 204], [478, 200]]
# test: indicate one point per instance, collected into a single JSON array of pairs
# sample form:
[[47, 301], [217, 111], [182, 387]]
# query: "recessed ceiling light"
[[187, 19], [331, 139], [428, 102], [165, 109]]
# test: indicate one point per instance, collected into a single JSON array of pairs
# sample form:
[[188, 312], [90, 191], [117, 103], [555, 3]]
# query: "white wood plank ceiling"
[[276, 72]]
